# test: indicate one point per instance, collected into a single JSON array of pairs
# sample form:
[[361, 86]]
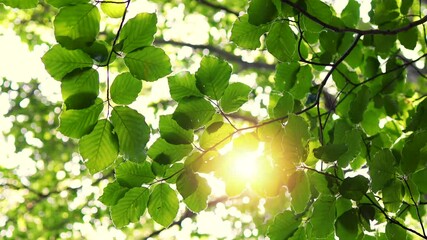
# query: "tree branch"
[[354, 30], [219, 7], [220, 53]]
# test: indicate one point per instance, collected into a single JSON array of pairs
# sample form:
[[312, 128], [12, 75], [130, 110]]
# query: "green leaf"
[[351, 14], [183, 85], [149, 63], [392, 195], [131, 207], [193, 113], [394, 231], [132, 131], [165, 153], [286, 75], [171, 174], [198, 200], [246, 35], [80, 89], [163, 204], [187, 183], [354, 187], [359, 105], [125, 89], [138, 32], [419, 179], [131, 174], [77, 26], [77, 123], [301, 192], [284, 226], [347, 225], [113, 10], [282, 43], [405, 6], [234, 97], [172, 132], [22, 4], [212, 76], [100, 147], [413, 152], [217, 135], [62, 3], [261, 11], [284, 105], [381, 169], [113, 192], [303, 83], [323, 217], [330, 152], [319, 9], [330, 41], [59, 61], [416, 120]]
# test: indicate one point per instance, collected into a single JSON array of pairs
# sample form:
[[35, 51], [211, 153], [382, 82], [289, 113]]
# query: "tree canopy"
[[279, 119]]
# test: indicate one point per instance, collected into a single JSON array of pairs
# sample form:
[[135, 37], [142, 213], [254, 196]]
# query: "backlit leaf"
[[165, 153], [354, 187], [100, 147], [131, 174], [284, 226], [216, 135], [138, 31], [301, 192], [261, 11], [113, 192], [183, 85], [131, 207], [125, 89], [323, 217], [172, 132], [381, 169], [246, 35], [234, 96], [77, 26], [212, 77], [113, 10], [22, 4], [59, 61], [77, 123], [198, 200], [282, 43], [163, 204], [132, 131], [359, 105], [193, 113], [347, 225], [350, 14], [62, 3], [149, 63], [80, 89]]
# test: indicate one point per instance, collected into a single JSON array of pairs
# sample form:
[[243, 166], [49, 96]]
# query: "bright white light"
[[245, 166]]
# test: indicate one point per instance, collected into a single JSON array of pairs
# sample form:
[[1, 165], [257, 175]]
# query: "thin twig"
[[219, 7], [416, 206], [354, 30]]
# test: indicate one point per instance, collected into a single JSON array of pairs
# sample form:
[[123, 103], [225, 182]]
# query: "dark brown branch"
[[219, 7], [220, 53], [416, 206], [354, 30], [325, 80]]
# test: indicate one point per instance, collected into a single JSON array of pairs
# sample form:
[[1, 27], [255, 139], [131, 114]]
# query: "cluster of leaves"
[[343, 168]]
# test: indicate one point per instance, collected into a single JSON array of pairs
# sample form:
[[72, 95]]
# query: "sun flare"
[[245, 166]]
